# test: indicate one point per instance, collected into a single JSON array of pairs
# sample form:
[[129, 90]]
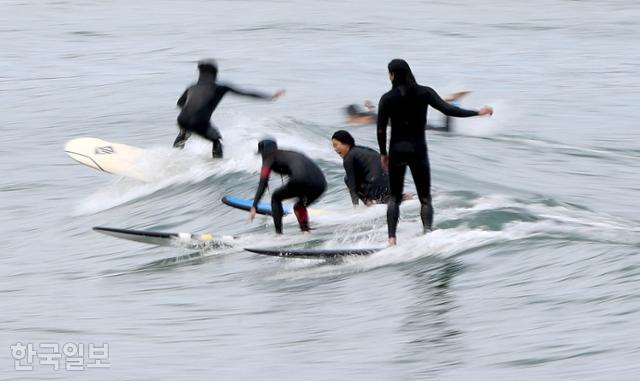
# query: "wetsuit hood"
[[208, 68], [267, 146]]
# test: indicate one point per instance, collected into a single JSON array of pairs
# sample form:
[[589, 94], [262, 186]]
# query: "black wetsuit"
[[445, 128], [365, 177], [306, 182], [408, 147], [197, 103]]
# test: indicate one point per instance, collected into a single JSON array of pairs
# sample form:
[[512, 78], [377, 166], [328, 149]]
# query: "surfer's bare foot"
[[392, 241], [306, 232], [427, 230]]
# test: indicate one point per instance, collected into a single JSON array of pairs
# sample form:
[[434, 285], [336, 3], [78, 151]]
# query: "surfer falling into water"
[[198, 102], [405, 105], [306, 182]]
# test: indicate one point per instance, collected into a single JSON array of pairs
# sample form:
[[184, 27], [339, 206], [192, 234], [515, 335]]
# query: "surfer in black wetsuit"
[[365, 178], [306, 182], [198, 102], [357, 115], [405, 105]]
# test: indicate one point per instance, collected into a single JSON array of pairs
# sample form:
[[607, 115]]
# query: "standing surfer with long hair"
[[405, 106]]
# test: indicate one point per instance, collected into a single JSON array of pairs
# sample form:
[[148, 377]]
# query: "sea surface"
[[532, 272]]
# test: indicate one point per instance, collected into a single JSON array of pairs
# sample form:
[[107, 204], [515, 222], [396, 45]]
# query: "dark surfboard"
[[288, 252], [167, 239]]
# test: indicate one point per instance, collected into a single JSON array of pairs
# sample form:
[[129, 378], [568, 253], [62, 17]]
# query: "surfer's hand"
[[407, 196], [369, 105], [277, 94], [252, 214], [486, 110], [384, 160]]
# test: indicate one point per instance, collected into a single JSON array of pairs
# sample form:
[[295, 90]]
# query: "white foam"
[[485, 126], [552, 221]]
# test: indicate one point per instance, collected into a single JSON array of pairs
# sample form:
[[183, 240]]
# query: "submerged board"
[[115, 158], [289, 252], [188, 240]]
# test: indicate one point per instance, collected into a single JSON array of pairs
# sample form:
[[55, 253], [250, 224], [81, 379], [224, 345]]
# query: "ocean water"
[[532, 272]]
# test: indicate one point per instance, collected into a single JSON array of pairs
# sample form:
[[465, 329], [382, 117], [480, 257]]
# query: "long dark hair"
[[403, 78]]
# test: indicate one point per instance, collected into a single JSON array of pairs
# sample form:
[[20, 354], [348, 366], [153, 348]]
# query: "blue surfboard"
[[246, 204]]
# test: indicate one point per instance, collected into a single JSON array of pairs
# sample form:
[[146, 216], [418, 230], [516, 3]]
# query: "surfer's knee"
[[395, 200], [425, 200]]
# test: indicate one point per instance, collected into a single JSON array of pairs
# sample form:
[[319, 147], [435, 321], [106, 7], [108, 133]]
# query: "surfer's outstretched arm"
[[256, 94], [446, 107], [452, 110]]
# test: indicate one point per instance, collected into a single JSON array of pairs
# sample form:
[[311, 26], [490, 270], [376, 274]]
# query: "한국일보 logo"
[[68, 356]]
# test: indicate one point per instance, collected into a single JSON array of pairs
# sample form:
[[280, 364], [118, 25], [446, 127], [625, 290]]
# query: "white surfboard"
[[115, 158]]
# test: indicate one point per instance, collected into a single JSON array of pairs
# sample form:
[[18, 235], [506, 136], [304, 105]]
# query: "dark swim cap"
[[267, 146], [209, 65], [344, 137]]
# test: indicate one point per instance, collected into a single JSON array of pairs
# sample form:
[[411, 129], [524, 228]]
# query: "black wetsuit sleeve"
[[183, 99], [350, 170], [383, 122], [264, 181], [447, 108], [247, 93]]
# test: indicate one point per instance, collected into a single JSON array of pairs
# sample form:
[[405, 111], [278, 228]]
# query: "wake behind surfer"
[[306, 183], [405, 106], [199, 101]]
